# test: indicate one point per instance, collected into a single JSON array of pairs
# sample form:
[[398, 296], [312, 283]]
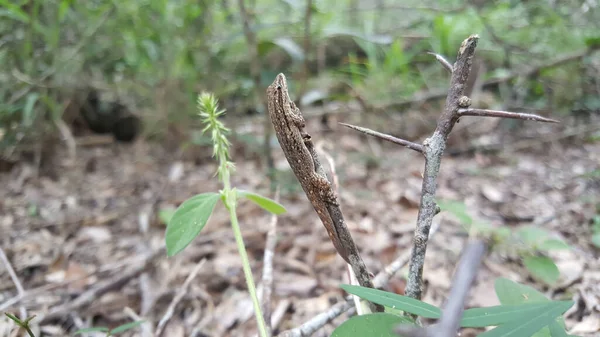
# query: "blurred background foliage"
[[155, 56]]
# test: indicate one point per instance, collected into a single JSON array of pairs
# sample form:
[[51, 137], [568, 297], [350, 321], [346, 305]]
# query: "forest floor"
[[87, 242]]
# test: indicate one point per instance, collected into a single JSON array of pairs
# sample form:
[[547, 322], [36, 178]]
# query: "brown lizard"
[[298, 148], [300, 153]]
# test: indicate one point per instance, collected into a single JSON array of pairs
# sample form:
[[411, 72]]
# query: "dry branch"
[[401, 142], [267, 277], [504, 114], [463, 278], [440, 93], [101, 288], [443, 61], [183, 289], [16, 281], [434, 149]]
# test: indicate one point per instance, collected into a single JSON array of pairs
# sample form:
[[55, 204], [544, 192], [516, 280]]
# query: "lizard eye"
[[279, 87]]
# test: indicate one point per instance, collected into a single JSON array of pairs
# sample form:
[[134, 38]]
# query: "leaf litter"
[[67, 235]]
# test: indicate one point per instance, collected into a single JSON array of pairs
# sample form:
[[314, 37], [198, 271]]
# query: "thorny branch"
[[457, 105], [452, 314]]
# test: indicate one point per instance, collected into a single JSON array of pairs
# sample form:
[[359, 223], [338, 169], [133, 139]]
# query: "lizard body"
[[299, 150]]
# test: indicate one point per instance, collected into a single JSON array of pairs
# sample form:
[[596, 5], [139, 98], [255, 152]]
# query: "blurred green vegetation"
[[157, 55]]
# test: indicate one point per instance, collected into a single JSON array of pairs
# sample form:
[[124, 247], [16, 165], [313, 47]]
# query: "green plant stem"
[[260, 320]]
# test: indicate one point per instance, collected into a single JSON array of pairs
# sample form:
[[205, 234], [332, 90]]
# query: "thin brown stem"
[[401, 142], [443, 61], [434, 149], [267, 277], [505, 114]]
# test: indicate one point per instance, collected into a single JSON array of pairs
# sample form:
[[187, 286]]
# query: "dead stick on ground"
[[16, 281], [100, 289], [267, 277], [177, 298], [380, 280]]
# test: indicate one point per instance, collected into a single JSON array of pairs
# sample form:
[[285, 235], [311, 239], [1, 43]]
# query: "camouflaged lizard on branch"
[[299, 150], [300, 153]]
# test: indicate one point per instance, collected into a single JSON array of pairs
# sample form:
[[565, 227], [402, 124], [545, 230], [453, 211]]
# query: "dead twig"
[[440, 93], [504, 114], [443, 61], [401, 142], [267, 277], [101, 288], [16, 281], [380, 280], [453, 310], [434, 148], [177, 298], [318, 321]]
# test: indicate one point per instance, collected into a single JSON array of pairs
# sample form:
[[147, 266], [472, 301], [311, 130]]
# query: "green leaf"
[[510, 292], [13, 11], [593, 42], [458, 209], [394, 301], [530, 324], [378, 324], [28, 112], [532, 235], [596, 239], [265, 203], [165, 215], [498, 315], [98, 329], [126, 326], [556, 330], [542, 268], [553, 244], [189, 219]]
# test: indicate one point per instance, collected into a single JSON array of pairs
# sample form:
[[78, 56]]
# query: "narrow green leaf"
[[596, 240], [498, 315], [458, 209], [510, 292], [553, 244], [126, 326], [13, 11], [265, 203], [28, 112], [378, 324], [542, 268], [532, 235], [13, 317], [98, 329], [530, 324], [189, 219], [556, 330], [394, 301]]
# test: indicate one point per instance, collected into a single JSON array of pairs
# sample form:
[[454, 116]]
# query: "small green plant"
[[22, 324], [596, 231], [111, 332], [523, 312], [193, 214], [531, 243]]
